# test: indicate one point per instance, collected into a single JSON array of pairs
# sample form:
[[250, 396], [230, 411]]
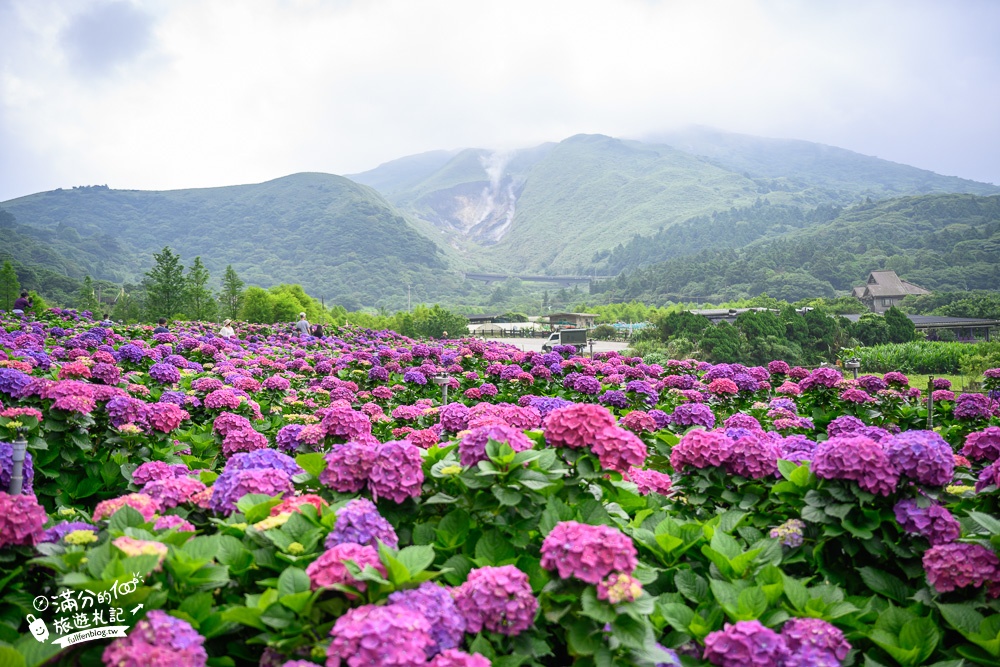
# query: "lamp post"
[[17, 469], [854, 364], [442, 380]]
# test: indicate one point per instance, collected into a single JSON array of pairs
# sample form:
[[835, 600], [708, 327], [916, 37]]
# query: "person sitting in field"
[[106, 321], [162, 328], [227, 330], [22, 303], [317, 330], [302, 325]]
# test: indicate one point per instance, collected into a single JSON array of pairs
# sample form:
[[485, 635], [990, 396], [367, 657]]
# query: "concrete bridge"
[[561, 281]]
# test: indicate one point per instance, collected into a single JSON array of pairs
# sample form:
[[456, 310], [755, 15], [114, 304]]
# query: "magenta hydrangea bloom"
[[173, 491], [923, 456], [988, 476], [588, 553], [228, 421], [391, 636], [151, 470], [344, 423], [973, 406], [983, 445], [454, 417], [934, 522], [957, 565], [638, 421], [650, 481], [329, 568], [21, 520], [701, 449], [359, 522], [619, 449], [745, 644], [397, 471], [498, 599], [693, 414], [810, 640], [456, 658], [348, 466], [472, 447], [159, 640], [752, 457], [844, 425], [576, 426], [438, 607], [859, 459], [243, 440]]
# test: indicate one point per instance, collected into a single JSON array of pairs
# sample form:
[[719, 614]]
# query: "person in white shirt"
[[227, 329], [303, 324]]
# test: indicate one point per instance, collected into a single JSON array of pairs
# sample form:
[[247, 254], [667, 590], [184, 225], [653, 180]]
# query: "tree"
[[723, 343], [10, 288], [165, 285], [256, 306], [901, 327], [759, 323], [232, 294], [128, 305], [871, 329], [200, 303], [86, 299]]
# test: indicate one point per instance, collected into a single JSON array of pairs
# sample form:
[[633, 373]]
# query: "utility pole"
[[408, 297]]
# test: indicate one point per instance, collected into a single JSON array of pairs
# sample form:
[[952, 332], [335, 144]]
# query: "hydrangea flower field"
[[284, 501]]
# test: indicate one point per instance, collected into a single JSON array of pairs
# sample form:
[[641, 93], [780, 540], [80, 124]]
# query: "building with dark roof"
[[884, 289]]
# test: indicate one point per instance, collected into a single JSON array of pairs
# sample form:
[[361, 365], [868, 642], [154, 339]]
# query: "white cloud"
[[216, 92]]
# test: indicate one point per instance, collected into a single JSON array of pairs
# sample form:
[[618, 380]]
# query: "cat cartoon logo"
[[38, 628]]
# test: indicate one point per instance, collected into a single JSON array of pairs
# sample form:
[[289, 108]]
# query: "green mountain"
[[941, 242], [555, 208], [340, 240]]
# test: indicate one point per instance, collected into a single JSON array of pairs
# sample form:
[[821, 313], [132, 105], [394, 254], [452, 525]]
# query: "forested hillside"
[[941, 242], [340, 240]]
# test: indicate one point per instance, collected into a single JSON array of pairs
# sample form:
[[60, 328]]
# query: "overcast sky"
[[163, 94]]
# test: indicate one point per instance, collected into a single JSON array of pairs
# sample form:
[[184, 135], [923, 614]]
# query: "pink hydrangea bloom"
[[856, 458], [983, 445], [701, 449], [588, 553], [619, 587], [140, 502], [243, 440], [397, 471], [638, 421], [348, 466], [455, 658], [745, 644], [577, 426], [472, 446], [329, 568], [391, 635], [958, 564], [173, 491], [159, 640], [650, 481], [618, 449]]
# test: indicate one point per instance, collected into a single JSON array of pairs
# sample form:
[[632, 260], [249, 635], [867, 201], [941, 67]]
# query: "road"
[[529, 344]]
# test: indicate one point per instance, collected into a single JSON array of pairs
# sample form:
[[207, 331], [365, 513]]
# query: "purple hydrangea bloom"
[[165, 373], [588, 553], [359, 522], [587, 385], [454, 417], [129, 352], [615, 398], [158, 639], [59, 531], [934, 522], [693, 414], [397, 471], [544, 404], [988, 476], [126, 410], [821, 377], [958, 564], [287, 437], [844, 425], [234, 484], [923, 456], [812, 642], [973, 406], [745, 644], [498, 599], [438, 607], [12, 381], [264, 458], [472, 447], [790, 533], [414, 376], [752, 457], [348, 466], [859, 459]]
